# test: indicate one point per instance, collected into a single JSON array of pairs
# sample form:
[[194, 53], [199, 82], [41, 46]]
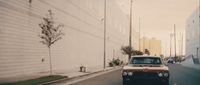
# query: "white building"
[[192, 34], [21, 53]]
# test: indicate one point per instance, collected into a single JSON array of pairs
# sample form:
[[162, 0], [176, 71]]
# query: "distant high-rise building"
[[152, 44]]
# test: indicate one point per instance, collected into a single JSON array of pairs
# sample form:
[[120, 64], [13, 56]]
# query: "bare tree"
[[137, 52], [127, 50], [50, 33]]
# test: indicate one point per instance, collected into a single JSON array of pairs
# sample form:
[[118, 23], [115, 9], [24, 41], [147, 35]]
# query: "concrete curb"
[[197, 67], [72, 79]]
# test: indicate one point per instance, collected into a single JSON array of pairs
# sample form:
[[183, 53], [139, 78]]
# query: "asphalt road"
[[179, 76]]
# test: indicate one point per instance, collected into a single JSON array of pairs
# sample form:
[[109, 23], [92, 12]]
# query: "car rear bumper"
[[145, 80]]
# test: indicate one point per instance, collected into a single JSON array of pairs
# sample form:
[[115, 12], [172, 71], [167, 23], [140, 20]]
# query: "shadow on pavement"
[[146, 83]]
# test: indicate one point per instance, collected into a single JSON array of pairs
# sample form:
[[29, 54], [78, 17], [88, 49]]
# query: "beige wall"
[[135, 39], [21, 52]]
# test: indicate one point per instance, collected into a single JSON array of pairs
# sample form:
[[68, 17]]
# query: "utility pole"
[[165, 49], [130, 34], [179, 44], [197, 51], [199, 27], [104, 45], [171, 36], [139, 33], [175, 42], [113, 54]]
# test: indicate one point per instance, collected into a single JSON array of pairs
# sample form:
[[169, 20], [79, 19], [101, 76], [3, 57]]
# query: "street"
[[179, 76]]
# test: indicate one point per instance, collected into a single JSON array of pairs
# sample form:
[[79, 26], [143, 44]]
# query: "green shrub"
[[115, 62]]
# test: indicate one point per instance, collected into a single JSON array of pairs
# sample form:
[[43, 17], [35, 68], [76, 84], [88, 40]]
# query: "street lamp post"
[[197, 52], [130, 31], [104, 54], [175, 42], [199, 26], [139, 33], [171, 36]]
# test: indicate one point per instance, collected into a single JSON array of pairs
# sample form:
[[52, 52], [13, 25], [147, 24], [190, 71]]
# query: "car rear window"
[[145, 60]]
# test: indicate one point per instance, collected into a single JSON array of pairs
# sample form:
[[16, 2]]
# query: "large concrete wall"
[[192, 34], [21, 52], [192, 41]]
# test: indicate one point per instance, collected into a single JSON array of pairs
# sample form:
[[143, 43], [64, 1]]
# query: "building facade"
[[192, 34], [153, 45], [21, 52]]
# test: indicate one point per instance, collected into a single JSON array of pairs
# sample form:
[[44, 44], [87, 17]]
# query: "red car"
[[145, 69]]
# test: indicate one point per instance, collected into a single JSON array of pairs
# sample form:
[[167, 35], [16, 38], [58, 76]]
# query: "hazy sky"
[[159, 16]]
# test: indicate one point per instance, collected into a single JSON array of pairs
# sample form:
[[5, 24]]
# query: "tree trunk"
[[129, 57], [50, 61]]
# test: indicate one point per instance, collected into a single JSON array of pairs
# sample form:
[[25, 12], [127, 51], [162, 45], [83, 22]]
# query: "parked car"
[[148, 69], [171, 61]]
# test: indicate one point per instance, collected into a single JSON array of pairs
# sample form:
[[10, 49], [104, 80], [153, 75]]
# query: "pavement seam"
[[90, 76]]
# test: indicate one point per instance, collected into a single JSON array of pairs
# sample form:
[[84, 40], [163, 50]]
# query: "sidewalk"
[[23, 77], [77, 73], [63, 73], [78, 76], [189, 63]]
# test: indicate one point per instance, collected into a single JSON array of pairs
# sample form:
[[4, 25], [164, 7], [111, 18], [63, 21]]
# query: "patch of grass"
[[36, 81]]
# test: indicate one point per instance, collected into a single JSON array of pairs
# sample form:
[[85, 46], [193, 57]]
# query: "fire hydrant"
[[82, 69]]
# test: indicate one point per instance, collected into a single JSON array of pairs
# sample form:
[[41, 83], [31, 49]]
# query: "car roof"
[[145, 56]]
